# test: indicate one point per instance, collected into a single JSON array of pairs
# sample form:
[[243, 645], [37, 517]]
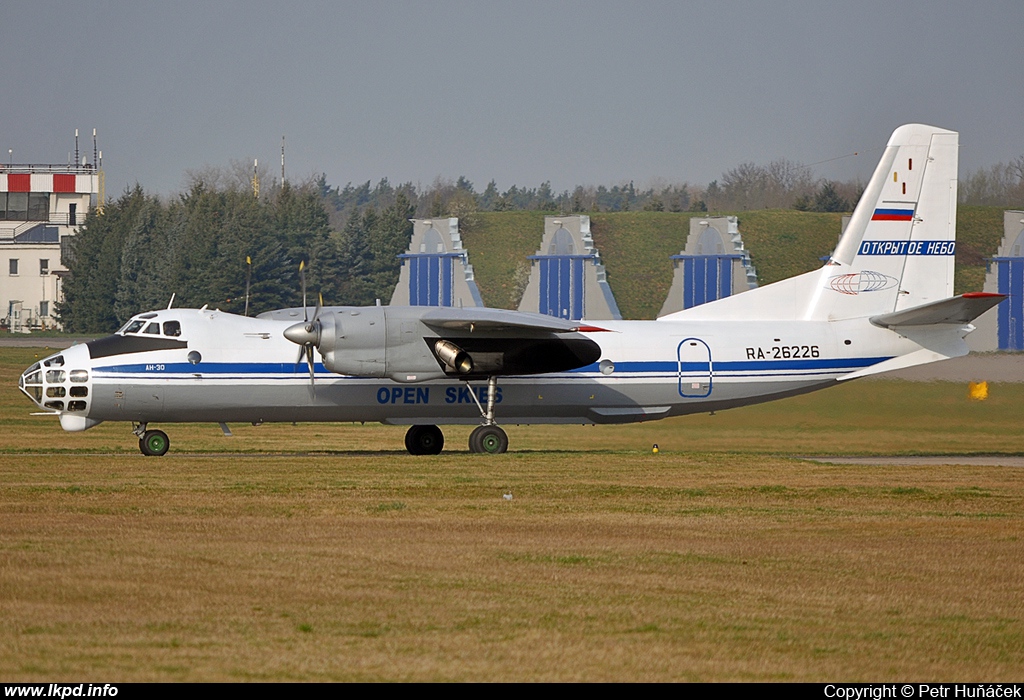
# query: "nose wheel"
[[154, 443]]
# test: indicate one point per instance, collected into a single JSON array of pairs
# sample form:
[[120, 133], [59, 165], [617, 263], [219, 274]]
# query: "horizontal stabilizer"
[[496, 320], [955, 310]]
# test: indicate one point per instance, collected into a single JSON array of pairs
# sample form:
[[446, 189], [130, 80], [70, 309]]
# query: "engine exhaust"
[[454, 356]]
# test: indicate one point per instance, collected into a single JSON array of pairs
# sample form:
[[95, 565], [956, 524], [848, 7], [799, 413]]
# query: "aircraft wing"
[[486, 319], [955, 310]]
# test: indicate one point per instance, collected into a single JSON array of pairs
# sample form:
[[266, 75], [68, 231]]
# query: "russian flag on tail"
[[893, 215]]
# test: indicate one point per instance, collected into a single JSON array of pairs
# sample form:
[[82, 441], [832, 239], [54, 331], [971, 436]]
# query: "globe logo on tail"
[[858, 282]]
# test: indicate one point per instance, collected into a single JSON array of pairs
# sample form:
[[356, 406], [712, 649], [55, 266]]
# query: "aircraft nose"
[[31, 383], [60, 382]]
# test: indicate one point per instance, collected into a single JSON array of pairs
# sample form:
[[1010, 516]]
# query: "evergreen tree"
[[828, 199], [95, 266], [489, 196], [147, 262]]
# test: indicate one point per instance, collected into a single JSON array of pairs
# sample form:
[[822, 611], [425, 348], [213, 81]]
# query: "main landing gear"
[[152, 443], [424, 440], [487, 438]]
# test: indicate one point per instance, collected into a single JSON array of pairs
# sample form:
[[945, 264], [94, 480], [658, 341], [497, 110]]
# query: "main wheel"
[[154, 443], [489, 439], [424, 440]]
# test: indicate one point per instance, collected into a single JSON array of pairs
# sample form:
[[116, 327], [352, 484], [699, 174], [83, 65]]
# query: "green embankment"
[[498, 242], [635, 249], [978, 233]]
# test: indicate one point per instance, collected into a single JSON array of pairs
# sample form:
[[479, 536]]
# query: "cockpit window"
[[172, 328], [133, 327], [152, 329]]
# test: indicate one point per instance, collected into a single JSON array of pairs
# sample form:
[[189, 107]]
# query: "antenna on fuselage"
[[171, 302]]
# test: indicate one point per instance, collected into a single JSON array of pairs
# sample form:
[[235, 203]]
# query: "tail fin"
[[896, 253]]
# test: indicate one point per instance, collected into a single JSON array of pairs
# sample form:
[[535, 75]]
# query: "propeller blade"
[[306, 334], [309, 360], [302, 280]]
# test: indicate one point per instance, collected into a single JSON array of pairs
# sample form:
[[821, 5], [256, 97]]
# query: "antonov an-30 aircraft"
[[882, 301]]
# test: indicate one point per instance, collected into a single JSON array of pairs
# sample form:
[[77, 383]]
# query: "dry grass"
[[609, 563]]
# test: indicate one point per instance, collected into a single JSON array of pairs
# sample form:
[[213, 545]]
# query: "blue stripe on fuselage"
[[742, 365], [819, 365]]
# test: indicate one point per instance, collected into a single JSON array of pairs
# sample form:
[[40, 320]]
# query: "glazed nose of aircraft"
[[59, 382], [31, 383]]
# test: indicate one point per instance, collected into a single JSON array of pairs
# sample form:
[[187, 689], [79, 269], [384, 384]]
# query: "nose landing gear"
[[152, 443]]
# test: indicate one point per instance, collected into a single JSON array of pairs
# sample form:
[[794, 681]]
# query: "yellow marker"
[[977, 391], [654, 450]]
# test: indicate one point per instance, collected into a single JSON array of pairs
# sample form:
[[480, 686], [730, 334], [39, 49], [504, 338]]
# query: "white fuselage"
[[246, 370]]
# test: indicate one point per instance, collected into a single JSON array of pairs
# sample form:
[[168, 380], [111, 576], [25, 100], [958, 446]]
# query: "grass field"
[[322, 552]]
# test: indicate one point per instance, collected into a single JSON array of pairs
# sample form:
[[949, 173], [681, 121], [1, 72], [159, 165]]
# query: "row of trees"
[[203, 246], [1001, 185], [781, 184]]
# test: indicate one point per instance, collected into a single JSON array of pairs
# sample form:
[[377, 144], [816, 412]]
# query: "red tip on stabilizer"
[[980, 295], [592, 329]]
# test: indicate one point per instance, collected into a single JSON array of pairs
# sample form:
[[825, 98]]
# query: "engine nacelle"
[[374, 341], [396, 343]]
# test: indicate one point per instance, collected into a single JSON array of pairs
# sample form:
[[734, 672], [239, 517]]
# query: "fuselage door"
[[695, 368], [145, 400]]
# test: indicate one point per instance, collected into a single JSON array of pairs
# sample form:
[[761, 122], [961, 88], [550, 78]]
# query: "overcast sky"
[[589, 93]]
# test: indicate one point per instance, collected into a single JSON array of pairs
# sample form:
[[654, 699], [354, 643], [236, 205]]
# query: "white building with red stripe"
[[41, 208]]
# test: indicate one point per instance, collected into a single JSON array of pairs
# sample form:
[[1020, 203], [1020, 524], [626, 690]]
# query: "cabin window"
[[76, 405], [79, 376], [55, 376], [172, 328], [152, 329]]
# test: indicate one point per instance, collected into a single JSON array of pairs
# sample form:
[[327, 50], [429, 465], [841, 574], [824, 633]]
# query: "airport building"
[[435, 269], [41, 207], [567, 279], [713, 265], [1002, 328]]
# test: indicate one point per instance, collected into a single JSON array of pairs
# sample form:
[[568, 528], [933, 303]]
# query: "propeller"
[[306, 334]]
